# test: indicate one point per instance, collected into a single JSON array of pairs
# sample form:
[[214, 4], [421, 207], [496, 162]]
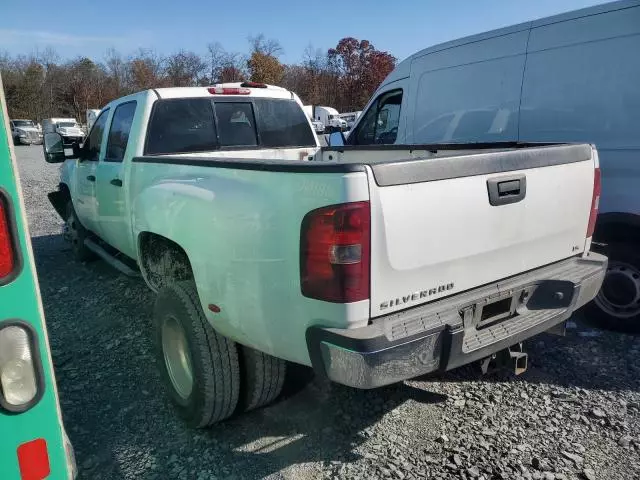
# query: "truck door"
[[111, 182], [84, 197]]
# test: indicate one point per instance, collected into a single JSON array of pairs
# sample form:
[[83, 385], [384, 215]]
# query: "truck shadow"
[[585, 358], [118, 416]]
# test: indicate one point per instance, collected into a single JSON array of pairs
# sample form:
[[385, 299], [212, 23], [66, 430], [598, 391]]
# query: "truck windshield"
[[189, 125], [66, 124], [23, 123]]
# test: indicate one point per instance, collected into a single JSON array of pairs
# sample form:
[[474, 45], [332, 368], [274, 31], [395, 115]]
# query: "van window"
[[469, 103], [380, 124], [119, 133]]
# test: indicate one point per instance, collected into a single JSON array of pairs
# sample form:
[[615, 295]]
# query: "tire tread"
[[263, 378], [217, 357]]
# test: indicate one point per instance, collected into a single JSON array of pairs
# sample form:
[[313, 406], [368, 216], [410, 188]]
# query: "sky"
[[401, 27]]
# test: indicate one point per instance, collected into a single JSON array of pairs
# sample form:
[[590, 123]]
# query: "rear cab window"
[[190, 125]]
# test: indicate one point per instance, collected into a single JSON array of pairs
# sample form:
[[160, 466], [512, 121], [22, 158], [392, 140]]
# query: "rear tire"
[[263, 378], [617, 305], [199, 367], [75, 233]]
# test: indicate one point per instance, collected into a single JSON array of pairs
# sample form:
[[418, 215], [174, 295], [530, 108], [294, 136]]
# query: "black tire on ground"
[[262, 378], [212, 358], [617, 305], [75, 233]]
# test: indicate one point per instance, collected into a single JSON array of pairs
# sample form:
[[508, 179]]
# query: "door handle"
[[511, 187], [116, 181], [507, 189], [91, 178]]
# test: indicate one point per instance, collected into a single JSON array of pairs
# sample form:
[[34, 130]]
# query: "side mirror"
[[336, 139], [55, 151]]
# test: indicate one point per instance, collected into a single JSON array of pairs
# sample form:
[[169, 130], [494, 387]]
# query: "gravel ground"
[[574, 414]]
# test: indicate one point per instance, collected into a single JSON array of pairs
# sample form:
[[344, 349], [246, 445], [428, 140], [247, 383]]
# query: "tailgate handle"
[[507, 189]]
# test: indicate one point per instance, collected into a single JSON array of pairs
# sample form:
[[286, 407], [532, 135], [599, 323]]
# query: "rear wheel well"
[[618, 228], [162, 261]]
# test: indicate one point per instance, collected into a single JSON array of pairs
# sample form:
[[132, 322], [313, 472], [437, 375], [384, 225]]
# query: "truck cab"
[[25, 132], [68, 128]]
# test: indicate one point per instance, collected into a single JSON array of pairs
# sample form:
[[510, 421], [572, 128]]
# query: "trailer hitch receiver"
[[512, 358]]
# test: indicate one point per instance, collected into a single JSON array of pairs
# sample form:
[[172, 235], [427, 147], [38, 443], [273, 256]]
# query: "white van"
[[573, 77]]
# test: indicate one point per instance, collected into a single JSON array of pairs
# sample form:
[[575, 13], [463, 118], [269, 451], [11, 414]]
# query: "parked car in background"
[[25, 132], [69, 128], [497, 87], [371, 265]]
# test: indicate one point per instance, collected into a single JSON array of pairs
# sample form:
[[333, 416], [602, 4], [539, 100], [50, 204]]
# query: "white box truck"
[[68, 128]]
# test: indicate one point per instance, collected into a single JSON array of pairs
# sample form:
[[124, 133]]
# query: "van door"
[[111, 183], [468, 93], [593, 95]]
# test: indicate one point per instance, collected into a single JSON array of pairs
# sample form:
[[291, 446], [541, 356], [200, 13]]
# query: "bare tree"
[[185, 69], [265, 46], [116, 68], [218, 58]]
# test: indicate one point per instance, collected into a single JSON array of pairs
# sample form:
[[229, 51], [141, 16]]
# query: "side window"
[[482, 98], [380, 124], [119, 133], [236, 124], [91, 147]]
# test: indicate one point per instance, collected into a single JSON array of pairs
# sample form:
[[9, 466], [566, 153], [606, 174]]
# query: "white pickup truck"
[[371, 264]]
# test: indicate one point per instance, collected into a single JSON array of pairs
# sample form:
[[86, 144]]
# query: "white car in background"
[[25, 132]]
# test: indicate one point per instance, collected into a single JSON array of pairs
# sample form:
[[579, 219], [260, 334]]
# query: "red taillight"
[[7, 254], [228, 91], [334, 253], [33, 459], [595, 202]]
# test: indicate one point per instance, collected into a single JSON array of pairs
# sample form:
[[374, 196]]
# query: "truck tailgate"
[[444, 225]]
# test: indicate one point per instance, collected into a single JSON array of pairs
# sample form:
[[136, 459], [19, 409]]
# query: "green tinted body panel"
[[20, 299]]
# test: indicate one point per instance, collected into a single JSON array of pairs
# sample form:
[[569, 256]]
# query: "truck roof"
[[329, 110], [56, 120], [269, 91]]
